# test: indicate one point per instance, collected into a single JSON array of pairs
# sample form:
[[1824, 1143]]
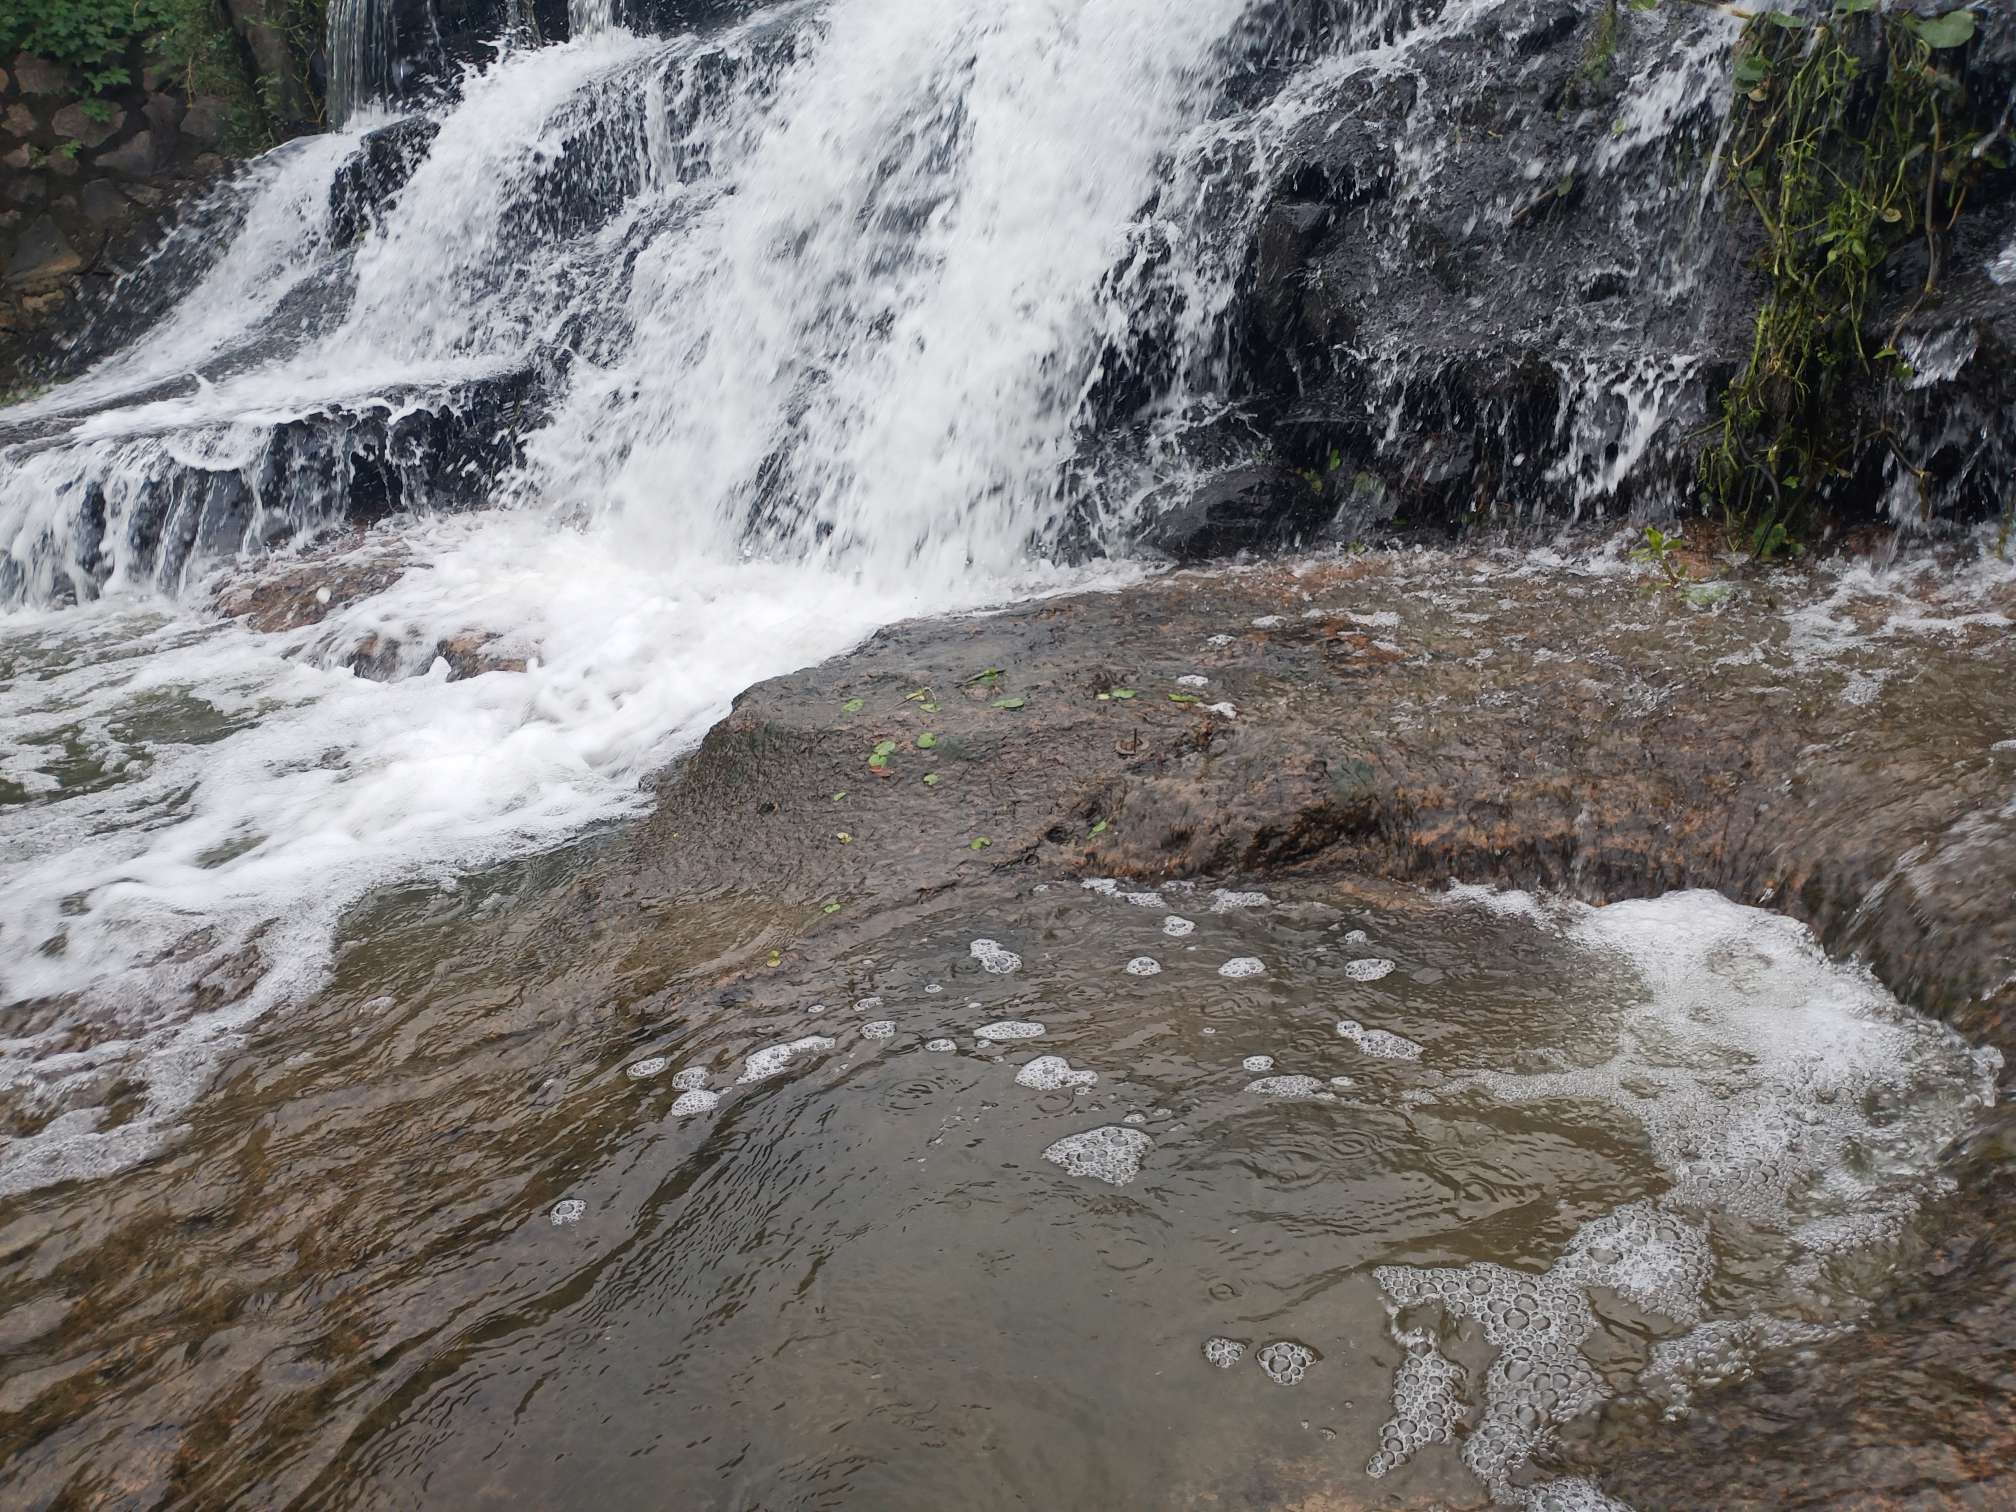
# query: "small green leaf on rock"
[[775, 958], [831, 908], [928, 708], [930, 779], [1123, 693], [885, 748], [1010, 703], [1954, 29], [979, 842], [992, 674], [916, 695], [1105, 698], [1101, 827], [878, 763], [839, 795], [926, 741], [1182, 698], [852, 706], [844, 838]]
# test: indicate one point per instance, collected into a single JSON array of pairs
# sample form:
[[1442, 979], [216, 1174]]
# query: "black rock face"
[[1502, 280]]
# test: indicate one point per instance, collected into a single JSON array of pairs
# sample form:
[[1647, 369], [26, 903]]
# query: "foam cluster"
[[690, 1079], [1011, 1029], [1257, 1063], [879, 1029], [1176, 927], [1285, 1361], [1052, 1073], [1367, 969], [650, 1066], [700, 1100], [1109, 1153], [772, 1059], [995, 957], [1428, 1403], [1224, 1353], [1242, 966], [941, 1046], [567, 1210], [1144, 966], [1379, 1042], [1226, 901], [1288, 1086]]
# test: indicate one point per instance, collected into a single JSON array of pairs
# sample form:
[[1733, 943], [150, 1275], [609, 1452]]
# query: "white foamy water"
[[1779, 1092], [828, 289]]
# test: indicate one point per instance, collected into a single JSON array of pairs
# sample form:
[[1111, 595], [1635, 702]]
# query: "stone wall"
[[79, 177]]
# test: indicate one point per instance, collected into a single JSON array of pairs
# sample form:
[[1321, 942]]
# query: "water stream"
[[749, 342]]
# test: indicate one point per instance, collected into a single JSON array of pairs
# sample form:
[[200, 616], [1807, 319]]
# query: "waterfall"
[[758, 339]]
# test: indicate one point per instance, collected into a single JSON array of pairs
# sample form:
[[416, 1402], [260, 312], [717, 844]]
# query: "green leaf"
[[1751, 69], [926, 741], [878, 763], [1854, 7], [1182, 698], [1123, 693], [992, 674], [916, 695], [1954, 29], [775, 958], [1105, 697], [839, 795], [844, 838], [885, 748], [930, 779], [978, 842], [928, 708], [831, 908], [1790, 20], [1101, 827], [852, 706], [1010, 703]]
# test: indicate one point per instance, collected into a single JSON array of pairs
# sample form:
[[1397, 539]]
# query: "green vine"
[[1846, 146]]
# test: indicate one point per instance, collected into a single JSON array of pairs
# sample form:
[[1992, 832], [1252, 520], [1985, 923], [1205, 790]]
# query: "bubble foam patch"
[[1285, 1361], [772, 1059], [1243, 966], [995, 957], [1382, 1043], [1052, 1073], [1109, 1153]]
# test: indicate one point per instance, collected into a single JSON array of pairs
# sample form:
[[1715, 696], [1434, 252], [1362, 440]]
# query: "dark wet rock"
[[384, 161], [1250, 509], [78, 124], [1480, 249], [42, 256]]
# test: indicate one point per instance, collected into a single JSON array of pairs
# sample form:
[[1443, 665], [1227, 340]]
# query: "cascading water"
[[768, 337]]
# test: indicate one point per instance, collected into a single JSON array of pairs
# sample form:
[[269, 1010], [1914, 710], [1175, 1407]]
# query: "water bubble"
[[651, 1065], [1242, 966], [1257, 1063], [1223, 901], [1286, 1362], [1011, 1029], [1176, 927], [1144, 966], [995, 957], [1050, 1073], [1109, 1153], [1289, 1086], [568, 1210], [1379, 1042], [1224, 1353], [772, 1059]]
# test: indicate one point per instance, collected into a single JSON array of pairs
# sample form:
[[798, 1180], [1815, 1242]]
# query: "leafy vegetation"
[[105, 42], [1848, 143]]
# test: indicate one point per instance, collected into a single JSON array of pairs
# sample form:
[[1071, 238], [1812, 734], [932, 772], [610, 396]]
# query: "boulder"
[[39, 76], [78, 122], [42, 256], [1252, 508], [138, 157]]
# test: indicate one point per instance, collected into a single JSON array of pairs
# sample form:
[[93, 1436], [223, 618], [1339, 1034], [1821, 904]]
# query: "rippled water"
[[502, 1218]]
